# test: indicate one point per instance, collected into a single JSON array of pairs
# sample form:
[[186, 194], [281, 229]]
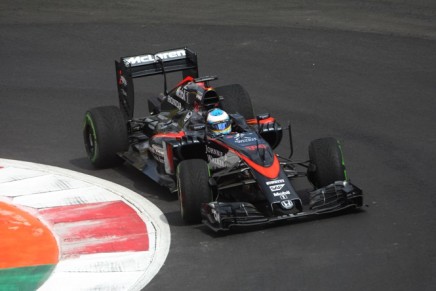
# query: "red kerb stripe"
[[97, 227]]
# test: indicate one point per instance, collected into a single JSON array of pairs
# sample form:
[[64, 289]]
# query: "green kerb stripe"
[[25, 278]]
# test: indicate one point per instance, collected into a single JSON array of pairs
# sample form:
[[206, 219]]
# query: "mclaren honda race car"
[[207, 145]]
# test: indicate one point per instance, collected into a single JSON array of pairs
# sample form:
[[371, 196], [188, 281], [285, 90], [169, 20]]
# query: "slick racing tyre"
[[105, 134], [326, 162], [236, 99], [193, 188]]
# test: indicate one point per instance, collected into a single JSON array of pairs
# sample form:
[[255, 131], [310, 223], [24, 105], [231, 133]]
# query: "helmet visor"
[[218, 126]]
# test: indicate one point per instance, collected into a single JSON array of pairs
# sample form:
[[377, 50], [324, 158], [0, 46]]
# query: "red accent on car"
[[255, 147], [270, 172], [120, 73], [191, 79], [202, 85], [253, 121], [179, 134], [196, 107], [184, 81], [170, 157]]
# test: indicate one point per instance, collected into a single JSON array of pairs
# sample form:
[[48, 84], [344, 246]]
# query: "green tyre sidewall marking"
[[179, 190], [88, 122], [343, 160]]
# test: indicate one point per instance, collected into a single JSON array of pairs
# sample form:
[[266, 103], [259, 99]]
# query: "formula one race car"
[[207, 145]]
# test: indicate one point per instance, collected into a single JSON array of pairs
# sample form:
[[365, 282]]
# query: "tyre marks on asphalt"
[[108, 237]]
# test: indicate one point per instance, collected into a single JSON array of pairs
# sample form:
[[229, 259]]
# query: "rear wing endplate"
[[128, 68]]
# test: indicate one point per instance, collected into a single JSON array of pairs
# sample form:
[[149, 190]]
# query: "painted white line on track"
[[41, 187]]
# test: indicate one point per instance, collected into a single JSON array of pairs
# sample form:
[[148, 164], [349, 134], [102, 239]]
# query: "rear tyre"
[[326, 162], [236, 99], [105, 134], [193, 188]]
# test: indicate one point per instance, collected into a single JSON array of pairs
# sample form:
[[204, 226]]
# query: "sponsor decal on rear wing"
[[127, 68], [148, 59], [181, 59]]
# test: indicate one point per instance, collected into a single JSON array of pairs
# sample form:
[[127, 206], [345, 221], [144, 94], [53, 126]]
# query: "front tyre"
[[193, 188], [105, 134], [326, 162]]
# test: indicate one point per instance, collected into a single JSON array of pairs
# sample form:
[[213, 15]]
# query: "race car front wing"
[[335, 197]]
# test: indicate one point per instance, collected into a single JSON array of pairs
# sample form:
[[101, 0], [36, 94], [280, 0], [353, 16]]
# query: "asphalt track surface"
[[362, 71]]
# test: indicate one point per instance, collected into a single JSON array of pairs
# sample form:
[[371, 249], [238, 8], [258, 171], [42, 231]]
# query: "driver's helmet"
[[218, 122]]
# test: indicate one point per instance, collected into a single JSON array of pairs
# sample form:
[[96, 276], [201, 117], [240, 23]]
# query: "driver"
[[218, 122]]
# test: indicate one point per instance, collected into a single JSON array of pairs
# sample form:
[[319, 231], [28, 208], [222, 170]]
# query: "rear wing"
[[128, 68]]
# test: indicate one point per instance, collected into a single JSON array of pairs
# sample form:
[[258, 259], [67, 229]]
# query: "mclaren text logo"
[[165, 56], [276, 187]]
